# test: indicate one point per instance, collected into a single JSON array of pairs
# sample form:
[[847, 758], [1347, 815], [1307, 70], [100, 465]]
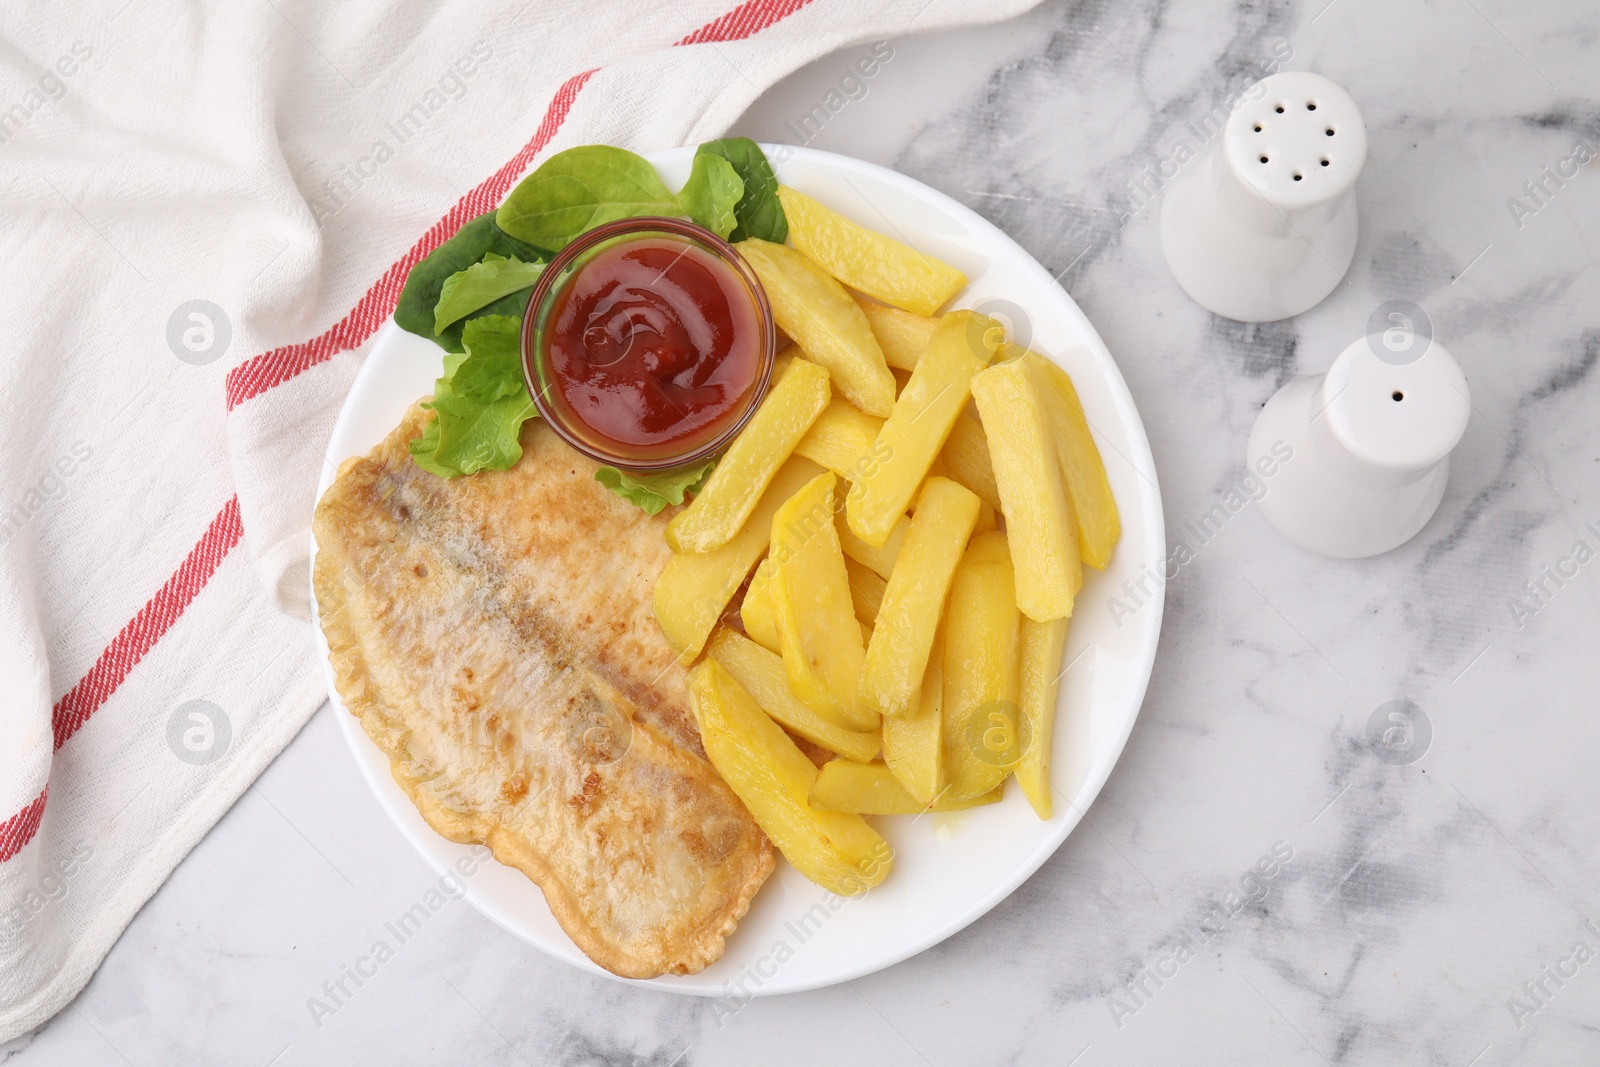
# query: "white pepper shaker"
[[1362, 453], [1264, 227]]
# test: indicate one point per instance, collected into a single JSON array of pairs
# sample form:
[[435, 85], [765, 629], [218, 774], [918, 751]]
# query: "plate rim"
[[1142, 460]]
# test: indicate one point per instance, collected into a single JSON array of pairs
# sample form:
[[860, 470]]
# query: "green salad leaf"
[[710, 194], [489, 279], [652, 492], [513, 306], [479, 405], [470, 293], [759, 212], [475, 240], [579, 189]]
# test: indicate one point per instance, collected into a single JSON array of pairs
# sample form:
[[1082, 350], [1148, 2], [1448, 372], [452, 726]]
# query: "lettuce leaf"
[[579, 189], [415, 310], [489, 279], [652, 492], [479, 405], [759, 212], [712, 191], [469, 294]]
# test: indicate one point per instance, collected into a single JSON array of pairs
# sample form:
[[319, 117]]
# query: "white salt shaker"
[[1362, 453], [1264, 227]]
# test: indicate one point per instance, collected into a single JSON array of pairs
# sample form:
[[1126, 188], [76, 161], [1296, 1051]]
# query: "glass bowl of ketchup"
[[648, 343]]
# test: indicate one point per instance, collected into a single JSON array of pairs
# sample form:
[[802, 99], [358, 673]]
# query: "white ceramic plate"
[[949, 868]]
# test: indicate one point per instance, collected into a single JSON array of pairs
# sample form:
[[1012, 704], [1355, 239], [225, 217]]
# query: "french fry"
[[841, 439], [920, 423], [1040, 669], [1093, 507], [914, 596], [814, 309], [880, 558], [756, 612], [767, 771], [866, 590], [966, 457], [987, 520], [913, 745], [694, 588], [866, 587], [721, 509], [817, 630], [872, 789], [981, 685], [762, 675], [1039, 525], [867, 260], [901, 334]]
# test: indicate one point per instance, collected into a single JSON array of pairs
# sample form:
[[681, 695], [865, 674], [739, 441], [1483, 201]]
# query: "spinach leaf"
[[580, 189], [711, 192], [759, 212], [652, 492], [479, 405], [482, 283], [478, 238]]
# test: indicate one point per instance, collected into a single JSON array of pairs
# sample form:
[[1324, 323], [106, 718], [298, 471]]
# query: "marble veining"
[[1440, 909]]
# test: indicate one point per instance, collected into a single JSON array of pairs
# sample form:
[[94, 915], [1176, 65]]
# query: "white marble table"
[[1425, 913]]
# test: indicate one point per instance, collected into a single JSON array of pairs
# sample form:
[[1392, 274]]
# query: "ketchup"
[[654, 346]]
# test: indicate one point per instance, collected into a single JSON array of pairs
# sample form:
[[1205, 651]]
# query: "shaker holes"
[[1397, 396]]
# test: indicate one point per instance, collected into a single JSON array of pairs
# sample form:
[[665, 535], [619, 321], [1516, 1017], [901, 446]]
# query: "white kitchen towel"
[[190, 192]]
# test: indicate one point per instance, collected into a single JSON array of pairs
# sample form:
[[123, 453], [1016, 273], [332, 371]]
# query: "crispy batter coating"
[[494, 635]]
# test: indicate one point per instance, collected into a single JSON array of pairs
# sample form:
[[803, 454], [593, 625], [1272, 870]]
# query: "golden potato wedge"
[[762, 675], [921, 421], [817, 630], [1039, 667], [694, 588], [866, 590], [756, 612], [879, 559], [901, 334], [913, 745], [965, 457], [767, 771], [1039, 525], [1093, 507], [814, 309], [867, 260], [982, 739], [872, 789], [719, 511], [914, 597], [841, 439]]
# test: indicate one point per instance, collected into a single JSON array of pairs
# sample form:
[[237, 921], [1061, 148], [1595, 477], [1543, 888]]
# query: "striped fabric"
[[156, 572]]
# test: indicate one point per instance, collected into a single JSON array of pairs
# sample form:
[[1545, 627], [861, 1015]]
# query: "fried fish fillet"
[[494, 635]]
